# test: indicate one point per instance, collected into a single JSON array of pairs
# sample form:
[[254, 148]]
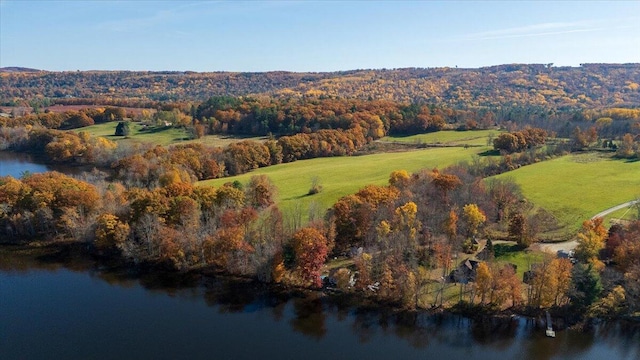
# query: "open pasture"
[[447, 137], [159, 136], [575, 187], [340, 176]]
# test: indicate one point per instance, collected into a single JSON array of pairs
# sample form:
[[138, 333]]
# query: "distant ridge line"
[[12, 69]]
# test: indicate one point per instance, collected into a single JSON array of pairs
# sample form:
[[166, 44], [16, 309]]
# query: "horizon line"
[[9, 69]]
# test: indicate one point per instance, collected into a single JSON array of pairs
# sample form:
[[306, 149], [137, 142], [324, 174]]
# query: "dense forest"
[[590, 85]]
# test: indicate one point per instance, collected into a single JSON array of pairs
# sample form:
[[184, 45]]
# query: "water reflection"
[[15, 164], [309, 316], [498, 333], [312, 324]]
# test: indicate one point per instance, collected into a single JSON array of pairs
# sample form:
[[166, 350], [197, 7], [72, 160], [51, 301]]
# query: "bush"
[[315, 186], [314, 190]]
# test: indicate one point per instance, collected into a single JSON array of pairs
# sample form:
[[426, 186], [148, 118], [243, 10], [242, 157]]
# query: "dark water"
[[68, 307]]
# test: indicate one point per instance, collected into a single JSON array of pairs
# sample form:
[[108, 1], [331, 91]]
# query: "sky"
[[313, 36]]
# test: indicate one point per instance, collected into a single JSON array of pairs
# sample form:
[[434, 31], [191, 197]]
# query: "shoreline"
[[78, 257]]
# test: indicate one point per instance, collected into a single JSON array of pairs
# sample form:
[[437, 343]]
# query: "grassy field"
[[629, 213], [450, 138], [510, 253], [162, 136], [169, 136], [341, 176], [576, 187]]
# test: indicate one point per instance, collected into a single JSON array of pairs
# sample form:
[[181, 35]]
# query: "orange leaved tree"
[[310, 248]]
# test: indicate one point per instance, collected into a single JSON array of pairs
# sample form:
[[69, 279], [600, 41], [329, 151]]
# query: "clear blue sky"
[[313, 36]]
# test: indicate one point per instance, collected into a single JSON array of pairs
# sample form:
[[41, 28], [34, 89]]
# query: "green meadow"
[[511, 254], [160, 136], [576, 187], [340, 176], [449, 138], [628, 213]]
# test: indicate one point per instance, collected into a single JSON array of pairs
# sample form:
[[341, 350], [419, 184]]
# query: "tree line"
[[587, 86]]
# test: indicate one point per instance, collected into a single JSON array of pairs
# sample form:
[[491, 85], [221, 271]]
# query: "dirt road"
[[615, 208], [570, 245]]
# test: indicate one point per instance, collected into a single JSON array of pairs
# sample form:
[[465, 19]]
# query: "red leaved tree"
[[310, 248]]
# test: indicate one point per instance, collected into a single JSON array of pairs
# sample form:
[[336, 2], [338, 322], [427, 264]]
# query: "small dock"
[[549, 332]]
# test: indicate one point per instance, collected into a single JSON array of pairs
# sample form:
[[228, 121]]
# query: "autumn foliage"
[[310, 247]]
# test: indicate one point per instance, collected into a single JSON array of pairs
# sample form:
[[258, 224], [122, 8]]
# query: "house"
[[465, 272]]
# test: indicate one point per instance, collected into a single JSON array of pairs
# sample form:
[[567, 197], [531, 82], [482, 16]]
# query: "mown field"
[[449, 138], [160, 136], [340, 176], [168, 136], [628, 213], [576, 187]]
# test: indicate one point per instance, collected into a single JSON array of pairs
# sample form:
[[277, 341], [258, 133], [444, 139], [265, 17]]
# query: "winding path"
[[615, 208], [570, 245]]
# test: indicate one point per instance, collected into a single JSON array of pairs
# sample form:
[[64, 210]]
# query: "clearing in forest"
[[159, 135]]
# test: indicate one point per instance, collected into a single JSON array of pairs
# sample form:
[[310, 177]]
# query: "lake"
[[15, 164], [55, 306], [61, 304]]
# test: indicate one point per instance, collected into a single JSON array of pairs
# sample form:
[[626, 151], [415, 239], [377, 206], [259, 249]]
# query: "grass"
[[159, 136], [575, 187], [340, 176], [451, 138], [168, 136], [103, 130], [513, 254], [629, 213]]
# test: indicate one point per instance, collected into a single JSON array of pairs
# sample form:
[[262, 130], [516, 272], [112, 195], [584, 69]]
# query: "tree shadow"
[[490, 153], [504, 249], [153, 130]]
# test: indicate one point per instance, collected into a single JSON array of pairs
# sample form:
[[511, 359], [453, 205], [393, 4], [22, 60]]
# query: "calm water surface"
[[16, 164], [60, 305], [72, 308]]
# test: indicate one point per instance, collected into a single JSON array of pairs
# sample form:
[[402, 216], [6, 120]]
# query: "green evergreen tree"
[[123, 129], [586, 285]]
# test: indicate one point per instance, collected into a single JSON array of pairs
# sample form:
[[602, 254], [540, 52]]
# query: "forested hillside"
[[587, 86]]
